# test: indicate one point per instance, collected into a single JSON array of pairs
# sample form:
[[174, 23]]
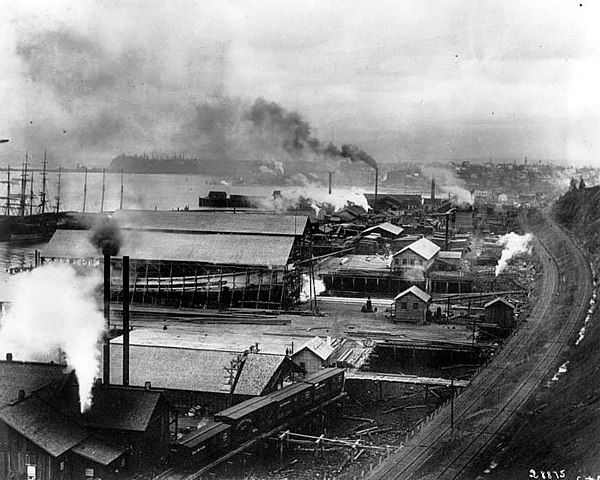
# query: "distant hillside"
[[579, 211], [145, 164]]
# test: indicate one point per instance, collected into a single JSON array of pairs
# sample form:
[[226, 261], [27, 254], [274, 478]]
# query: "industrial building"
[[199, 259], [414, 261]]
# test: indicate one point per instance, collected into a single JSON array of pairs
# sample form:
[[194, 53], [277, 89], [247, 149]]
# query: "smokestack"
[[447, 220], [125, 320], [106, 370], [330, 181], [376, 183], [432, 191]]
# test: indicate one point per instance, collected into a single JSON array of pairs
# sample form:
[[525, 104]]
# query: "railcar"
[[249, 418], [202, 444]]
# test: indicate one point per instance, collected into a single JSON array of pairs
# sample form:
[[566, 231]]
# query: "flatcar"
[[202, 444]]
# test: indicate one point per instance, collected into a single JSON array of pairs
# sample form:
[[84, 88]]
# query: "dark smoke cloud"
[[106, 237], [106, 101], [357, 155]]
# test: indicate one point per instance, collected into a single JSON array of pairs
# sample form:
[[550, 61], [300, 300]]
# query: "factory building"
[[44, 436], [199, 259], [414, 261]]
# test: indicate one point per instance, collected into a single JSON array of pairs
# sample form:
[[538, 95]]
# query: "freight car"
[[238, 424], [205, 443]]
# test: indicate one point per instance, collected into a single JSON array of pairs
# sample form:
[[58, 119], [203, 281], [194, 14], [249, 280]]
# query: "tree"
[[581, 183], [573, 184]]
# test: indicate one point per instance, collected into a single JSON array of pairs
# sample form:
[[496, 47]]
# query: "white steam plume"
[[514, 244], [305, 293], [54, 308], [462, 196], [318, 197]]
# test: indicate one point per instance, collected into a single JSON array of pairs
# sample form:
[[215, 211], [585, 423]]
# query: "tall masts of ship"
[[31, 195], [84, 190], [57, 198], [43, 192], [7, 206], [23, 187]]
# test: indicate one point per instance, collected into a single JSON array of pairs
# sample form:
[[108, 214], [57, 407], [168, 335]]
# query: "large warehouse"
[[199, 259]]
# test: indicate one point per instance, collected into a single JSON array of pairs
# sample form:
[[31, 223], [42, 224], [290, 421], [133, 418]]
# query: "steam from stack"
[[514, 244]]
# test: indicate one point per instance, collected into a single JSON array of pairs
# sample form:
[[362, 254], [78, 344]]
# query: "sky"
[[404, 80]]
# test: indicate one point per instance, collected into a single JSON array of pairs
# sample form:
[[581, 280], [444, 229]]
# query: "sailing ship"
[[25, 220]]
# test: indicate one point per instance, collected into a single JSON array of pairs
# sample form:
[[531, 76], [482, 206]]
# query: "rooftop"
[[387, 226], [318, 346], [422, 247], [27, 376], [212, 222], [499, 300], [220, 249], [256, 373], [415, 291]]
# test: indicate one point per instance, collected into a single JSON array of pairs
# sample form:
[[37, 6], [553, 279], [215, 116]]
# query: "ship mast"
[[7, 181], [102, 201], [57, 198], [84, 189], [43, 192], [23, 187], [31, 196]]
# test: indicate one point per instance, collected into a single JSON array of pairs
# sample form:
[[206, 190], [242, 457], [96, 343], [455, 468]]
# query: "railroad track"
[[430, 453]]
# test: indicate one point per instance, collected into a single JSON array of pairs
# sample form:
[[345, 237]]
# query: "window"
[[412, 261], [419, 261], [403, 306], [415, 306], [303, 366], [89, 472], [404, 261]]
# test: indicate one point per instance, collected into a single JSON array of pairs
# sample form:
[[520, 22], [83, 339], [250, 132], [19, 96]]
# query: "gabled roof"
[[499, 300], [256, 373], [415, 291], [387, 226], [212, 222], [226, 249], [318, 346], [121, 408], [43, 425], [99, 451], [27, 376], [173, 368], [422, 247]]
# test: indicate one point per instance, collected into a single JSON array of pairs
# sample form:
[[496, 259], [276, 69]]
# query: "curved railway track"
[[495, 395]]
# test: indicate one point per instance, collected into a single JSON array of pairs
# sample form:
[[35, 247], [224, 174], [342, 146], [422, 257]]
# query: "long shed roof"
[[27, 376], [219, 249], [422, 247], [212, 222]]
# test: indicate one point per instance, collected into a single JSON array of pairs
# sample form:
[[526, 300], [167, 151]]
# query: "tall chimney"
[[106, 369], [125, 320], [432, 191], [376, 182], [330, 181]]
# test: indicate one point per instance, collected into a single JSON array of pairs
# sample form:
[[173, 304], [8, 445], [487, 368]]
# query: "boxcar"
[[202, 444], [249, 418], [328, 383], [292, 400]]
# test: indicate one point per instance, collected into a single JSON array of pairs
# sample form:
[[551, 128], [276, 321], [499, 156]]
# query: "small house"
[[313, 355], [500, 312], [415, 260], [411, 306]]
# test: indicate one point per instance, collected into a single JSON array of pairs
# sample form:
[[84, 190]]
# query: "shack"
[[313, 355], [501, 312], [411, 306]]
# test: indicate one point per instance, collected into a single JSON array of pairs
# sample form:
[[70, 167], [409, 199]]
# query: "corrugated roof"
[[256, 373], [318, 346], [415, 291], [252, 250], [15, 376], [501, 300], [43, 425], [423, 247], [212, 222], [99, 451], [173, 368], [450, 255], [387, 226], [348, 263]]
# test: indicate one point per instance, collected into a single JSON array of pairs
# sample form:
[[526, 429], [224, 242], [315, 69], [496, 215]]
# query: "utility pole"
[[102, 201], [84, 189], [121, 202], [452, 404]]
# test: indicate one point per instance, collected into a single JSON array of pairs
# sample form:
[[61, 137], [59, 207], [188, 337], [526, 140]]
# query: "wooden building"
[[500, 312], [386, 230], [411, 306], [414, 261], [199, 259], [313, 355]]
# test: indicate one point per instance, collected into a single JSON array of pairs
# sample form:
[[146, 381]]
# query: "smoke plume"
[[317, 197], [106, 237], [514, 244], [305, 294], [54, 308], [357, 155]]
